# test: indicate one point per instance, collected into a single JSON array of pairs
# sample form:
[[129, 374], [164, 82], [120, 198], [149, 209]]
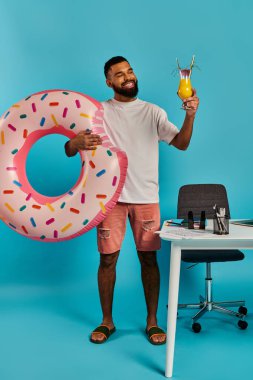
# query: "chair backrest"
[[203, 197]]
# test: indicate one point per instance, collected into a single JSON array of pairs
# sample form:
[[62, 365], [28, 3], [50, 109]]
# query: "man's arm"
[[70, 148], [182, 139], [82, 141]]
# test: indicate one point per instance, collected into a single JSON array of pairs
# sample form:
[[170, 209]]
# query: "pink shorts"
[[144, 220]]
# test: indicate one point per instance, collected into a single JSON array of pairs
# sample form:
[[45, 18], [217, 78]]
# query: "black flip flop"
[[152, 331], [102, 329]]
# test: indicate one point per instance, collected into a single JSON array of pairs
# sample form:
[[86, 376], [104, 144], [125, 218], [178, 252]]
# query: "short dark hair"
[[113, 61]]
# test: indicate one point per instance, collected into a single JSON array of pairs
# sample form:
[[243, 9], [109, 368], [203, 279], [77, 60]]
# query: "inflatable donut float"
[[100, 182]]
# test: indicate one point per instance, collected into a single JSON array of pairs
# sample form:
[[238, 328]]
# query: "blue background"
[[49, 300]]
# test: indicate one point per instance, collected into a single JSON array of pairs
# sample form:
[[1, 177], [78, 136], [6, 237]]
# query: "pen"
[[217, 218], [171, 222], [222, 219]]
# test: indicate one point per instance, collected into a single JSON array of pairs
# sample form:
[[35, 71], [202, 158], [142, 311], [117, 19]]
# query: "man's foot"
[[102, 333], [156, 335]]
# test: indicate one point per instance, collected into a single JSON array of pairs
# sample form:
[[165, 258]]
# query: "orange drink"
[[185, 87]]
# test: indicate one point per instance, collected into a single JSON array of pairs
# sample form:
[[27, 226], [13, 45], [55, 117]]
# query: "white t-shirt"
[[136, 127]]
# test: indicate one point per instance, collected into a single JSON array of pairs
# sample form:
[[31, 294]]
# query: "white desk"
[[240, 237]]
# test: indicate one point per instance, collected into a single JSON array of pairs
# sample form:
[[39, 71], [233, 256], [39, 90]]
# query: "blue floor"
[[44, 335]]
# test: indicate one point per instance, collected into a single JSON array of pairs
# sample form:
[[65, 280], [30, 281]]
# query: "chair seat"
[[211, 256]]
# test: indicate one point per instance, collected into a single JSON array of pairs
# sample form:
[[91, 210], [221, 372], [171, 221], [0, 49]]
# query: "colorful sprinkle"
[[7, 113], [25, 133], [42, 237], [53, 104], [54, 120], [65, 92], [101, 173], [28, 97], [14, 151], [72, 126], [55, 234], [65, 112], [42, 121], [17, 183], [2, 138], [92, 164], [28, 197], [93, 152], [102, 206], [109, 153], [11, 168], [50, 206], [12, 225], [24, 229], [84, 181], [50, 221], [43, 96], [74, 210], [85, 115], [83, 163], [33, 107], [83, 198], [103, 196], [85, 221], [65, 228], [16, 105], [70, 192], [8, 191], [63, 205], [37, 207], [12, 127], [78, 103], [9, 207], [22, 208], [114, 181], [33, 222], [23, 116]]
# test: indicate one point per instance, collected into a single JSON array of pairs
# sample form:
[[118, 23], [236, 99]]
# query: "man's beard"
[[127, 92]]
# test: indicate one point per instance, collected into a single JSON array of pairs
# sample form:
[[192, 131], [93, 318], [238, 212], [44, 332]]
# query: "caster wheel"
[[242, 324], [243, 310], [196, 327]]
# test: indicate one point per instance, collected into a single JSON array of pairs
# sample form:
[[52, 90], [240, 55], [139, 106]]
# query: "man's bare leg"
[[106, 283], [151, 284]]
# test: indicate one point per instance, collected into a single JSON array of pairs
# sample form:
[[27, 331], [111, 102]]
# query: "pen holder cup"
[[221, 225]]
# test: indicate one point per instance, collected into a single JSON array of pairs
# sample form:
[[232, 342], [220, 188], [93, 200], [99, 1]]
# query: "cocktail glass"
[[185, 88]]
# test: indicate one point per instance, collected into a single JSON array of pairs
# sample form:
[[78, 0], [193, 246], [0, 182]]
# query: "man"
[[135, 127]]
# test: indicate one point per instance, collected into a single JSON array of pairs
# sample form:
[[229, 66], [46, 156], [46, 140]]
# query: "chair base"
[[206, 306]]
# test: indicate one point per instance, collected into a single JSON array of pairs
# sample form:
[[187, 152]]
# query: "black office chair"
[[197, 198]]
